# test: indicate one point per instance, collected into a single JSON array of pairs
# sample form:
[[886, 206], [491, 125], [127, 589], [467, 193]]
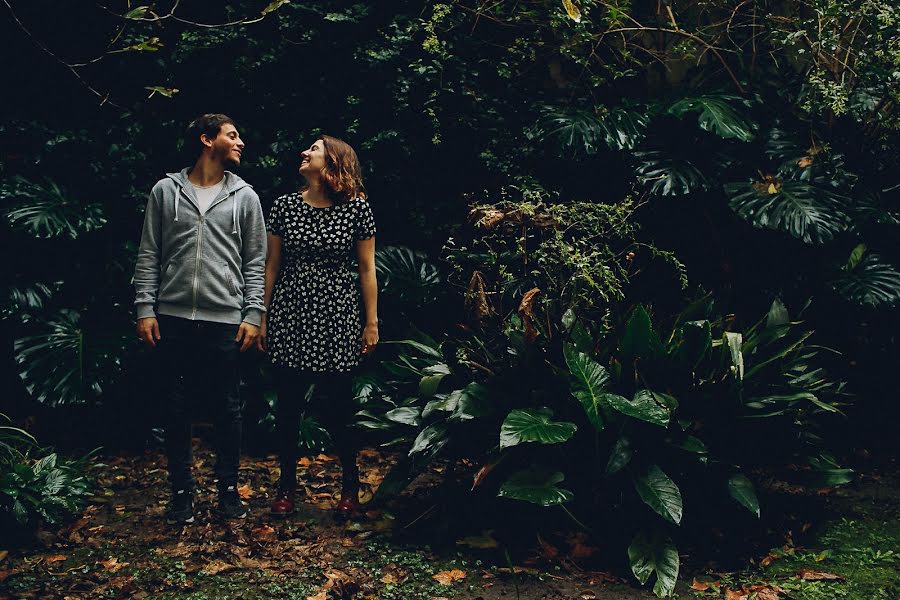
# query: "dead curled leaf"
[[811, 575], [214, 567], [112, 564], [700, 586], [449, 577], [55, 558]]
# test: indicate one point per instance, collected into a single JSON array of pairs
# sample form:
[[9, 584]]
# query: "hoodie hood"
[[232, 184]]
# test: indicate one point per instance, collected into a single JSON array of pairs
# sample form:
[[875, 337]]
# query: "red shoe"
[[349, 505], [283, 504]]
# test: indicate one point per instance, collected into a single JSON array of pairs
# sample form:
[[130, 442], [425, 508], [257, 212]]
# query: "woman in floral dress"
[[314, 330]]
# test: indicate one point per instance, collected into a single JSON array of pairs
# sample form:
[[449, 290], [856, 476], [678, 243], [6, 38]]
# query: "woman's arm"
[[365, 254], [273, 266]]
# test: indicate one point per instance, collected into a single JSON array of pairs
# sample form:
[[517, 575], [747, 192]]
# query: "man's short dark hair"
[[209, 124]]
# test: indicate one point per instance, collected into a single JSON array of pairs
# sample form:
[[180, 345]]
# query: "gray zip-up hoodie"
[[205, 267]]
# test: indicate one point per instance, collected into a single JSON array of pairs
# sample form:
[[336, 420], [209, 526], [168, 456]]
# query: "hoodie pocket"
[[174, 284], [229, 278]]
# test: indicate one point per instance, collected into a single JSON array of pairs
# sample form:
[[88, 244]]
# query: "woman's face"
[[313, 160]]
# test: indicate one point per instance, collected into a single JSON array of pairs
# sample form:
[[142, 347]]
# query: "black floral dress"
[[314, 321]]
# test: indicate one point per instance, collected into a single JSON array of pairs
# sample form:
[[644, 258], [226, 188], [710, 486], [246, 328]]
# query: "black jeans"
[[332, 403], [199, 360]]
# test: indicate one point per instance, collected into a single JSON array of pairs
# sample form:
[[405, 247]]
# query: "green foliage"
[[654, 553], [44, 210]]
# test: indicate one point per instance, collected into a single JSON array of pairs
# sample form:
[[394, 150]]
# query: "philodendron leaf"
[[431, 439], [741, 489], [534, 425], [717, 115], [654, 553], [588, 380], [537, 486], [660, 493], [640, 341], [643, 406]]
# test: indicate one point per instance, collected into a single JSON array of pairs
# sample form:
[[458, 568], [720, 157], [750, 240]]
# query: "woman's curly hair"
[[342, 174]]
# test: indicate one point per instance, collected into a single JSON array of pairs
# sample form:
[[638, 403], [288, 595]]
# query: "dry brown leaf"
[[526, 313], [811, 575], [731, 594], [700, 586], [214, 567], [768, 560], [55, 558], [264, 533], [324, 458], [323, 595], [764, 592], [112, 565], [448, 577], [245, 492]]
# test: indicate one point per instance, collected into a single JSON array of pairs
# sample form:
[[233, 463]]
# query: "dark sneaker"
[[181, 508], [230, 505]]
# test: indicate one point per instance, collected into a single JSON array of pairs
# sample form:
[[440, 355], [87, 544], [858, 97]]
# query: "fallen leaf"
[[731, 594], [3, 555], [214, 567], [389, 578], [764, 592], [768, 560], [588, 595], [805, 162], [324, 458], [264, 533], [112, 565], [448, 577], [811, 575], [323, 595], [55, 558], [245, 492], [700, 586]]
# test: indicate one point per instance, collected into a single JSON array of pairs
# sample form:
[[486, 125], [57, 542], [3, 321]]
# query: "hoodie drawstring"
[[233, 213], [177, 198]]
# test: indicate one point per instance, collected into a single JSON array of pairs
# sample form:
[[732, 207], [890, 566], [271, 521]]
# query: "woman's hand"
[[369, 338], [261, 338]]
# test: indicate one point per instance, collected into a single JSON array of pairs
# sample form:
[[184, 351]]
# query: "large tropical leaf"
[[64, 364], [668, 175], [810, 213], [22, 300], [407, 274], [660, 493], [588, 380], [654, 553], [537, 486], [430, 440], [646, 406], [587, 131], [45, 210], [639, 339], [871, 282], [534, 425], [741, 489], [717, 114]]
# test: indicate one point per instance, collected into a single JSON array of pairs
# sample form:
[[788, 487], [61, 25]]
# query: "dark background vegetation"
[[751, 147]]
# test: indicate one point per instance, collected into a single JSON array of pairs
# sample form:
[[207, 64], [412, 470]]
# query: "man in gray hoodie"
[[199, 283]]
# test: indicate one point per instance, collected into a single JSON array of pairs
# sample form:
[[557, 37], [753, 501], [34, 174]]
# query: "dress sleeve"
[[365, 223], [274, 223]]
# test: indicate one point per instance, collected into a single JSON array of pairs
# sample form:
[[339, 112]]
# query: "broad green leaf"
[[428, 385], [693, 343], [855, 256], [668, 175], [741, 489], [431, 439], [692, 444], [588, 381], [473, 402], [660, 493], [406, 415], [734, 341], [619, 456], [433, 352], [807, 212], [45, 210], [717, 115], [778, 314], [872, 282], [640, 341], [653, 553], [137, 13], [537, 486], [534, 425], [644, 406]]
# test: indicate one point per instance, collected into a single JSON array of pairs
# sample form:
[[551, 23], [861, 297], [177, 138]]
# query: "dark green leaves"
[[668, 175], [534, 425], [646, 406], [812, 214], [654, 553], [537, 486], [587, 131], [741, 489], [871, 282], [717, 115], [45, 210], [639, 340], [660, 493], [588, 381]]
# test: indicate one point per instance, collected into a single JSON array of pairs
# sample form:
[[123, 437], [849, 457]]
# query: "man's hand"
[[148, 331], [247, 335]]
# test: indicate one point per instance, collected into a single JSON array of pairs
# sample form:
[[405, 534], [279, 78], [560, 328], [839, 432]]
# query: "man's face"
[[227, 147]]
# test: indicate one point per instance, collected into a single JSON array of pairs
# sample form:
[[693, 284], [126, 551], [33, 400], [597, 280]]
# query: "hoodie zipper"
[[197, 267]]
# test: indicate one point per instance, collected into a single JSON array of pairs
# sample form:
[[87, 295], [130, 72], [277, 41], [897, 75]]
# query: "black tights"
[[332, 403]]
